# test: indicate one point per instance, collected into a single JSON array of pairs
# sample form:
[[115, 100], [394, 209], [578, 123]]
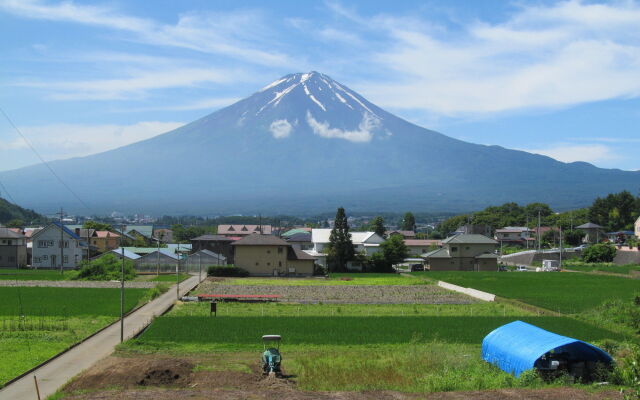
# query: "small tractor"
[[271, 357]]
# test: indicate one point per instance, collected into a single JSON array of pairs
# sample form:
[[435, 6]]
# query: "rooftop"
[[260, 240], [469, 239]]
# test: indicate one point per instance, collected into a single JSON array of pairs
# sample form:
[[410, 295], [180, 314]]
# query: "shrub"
[[601, 252], [106, 268], [216, 270]]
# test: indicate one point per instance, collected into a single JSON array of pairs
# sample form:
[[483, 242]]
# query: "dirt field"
[[392, 294], [153, 377]]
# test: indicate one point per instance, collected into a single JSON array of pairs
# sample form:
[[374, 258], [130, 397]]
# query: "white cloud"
[[136, 85], [280, 128], [551, 56], [363, 134], [591, 153], [236, 34], [59, 141]]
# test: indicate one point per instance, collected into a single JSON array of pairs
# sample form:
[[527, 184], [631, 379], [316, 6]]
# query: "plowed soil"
[[152, 377], [392, 294]]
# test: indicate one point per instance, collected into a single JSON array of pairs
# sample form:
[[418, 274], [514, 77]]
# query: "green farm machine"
[[271, 357]]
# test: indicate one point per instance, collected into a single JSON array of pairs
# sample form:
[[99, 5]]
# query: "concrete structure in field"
[[464, 253], [418, 247], [13, 249], [53, 242], [593, 232], [266, 255]]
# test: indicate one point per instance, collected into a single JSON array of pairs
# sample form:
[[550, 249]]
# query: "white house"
[[363, 242], [637, 226], [56, 243]]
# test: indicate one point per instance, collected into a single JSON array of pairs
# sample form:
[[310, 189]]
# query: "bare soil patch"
[[146, 377], [392, 294]]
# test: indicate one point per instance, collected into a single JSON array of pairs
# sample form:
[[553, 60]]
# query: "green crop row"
[[53, 301], [565, 292], [241, 333]]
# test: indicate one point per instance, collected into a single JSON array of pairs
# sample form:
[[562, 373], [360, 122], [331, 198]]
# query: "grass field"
[[38, 322], [36, 274], [564, 292], [333, 280], [171, 278], [51, 301], [602, 267]]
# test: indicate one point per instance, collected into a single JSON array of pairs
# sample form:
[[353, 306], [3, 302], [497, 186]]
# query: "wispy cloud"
[[551, 56], [60, 141], [592, 153], [243, 34]]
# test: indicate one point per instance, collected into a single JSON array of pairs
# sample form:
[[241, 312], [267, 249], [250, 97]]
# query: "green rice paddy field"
[[565, 292], [35, 274], [38, 322]]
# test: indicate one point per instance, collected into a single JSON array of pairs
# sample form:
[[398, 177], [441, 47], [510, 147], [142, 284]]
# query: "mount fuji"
[[306, 144]]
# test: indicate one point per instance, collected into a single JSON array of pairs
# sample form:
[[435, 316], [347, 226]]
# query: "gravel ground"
[[79, 284], [396, 294]]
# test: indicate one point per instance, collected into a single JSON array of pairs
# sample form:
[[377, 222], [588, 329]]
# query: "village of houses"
[[263, 250]]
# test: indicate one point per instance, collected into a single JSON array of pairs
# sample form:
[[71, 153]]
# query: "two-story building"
[[418, 247], [217, 244], [464, 252], [366, 243], [267, 255], [518, 235], [13, 249], [56, 245]]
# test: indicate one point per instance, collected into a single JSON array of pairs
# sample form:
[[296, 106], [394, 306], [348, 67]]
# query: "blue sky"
[[556, 78]]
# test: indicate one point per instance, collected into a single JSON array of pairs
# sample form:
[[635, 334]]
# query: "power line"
[[4, 190], [43, 161]]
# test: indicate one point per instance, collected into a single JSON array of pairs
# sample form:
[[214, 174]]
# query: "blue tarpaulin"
[[515, 347]]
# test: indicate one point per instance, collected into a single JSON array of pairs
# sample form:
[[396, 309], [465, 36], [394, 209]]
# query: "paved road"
[[55, 374]]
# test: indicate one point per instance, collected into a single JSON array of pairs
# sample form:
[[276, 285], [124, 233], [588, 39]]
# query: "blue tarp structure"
[[515, 347]]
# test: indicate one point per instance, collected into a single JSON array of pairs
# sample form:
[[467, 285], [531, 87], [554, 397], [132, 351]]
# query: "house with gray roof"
[[13, 249], [56, 246], [464, 252], [267, 255]]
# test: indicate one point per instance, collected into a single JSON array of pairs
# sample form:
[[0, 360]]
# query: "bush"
[[627, 371], [601, 252], [106, 268], [378, 263], [216, 270]]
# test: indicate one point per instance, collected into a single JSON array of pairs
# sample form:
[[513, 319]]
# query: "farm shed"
[[517, 347]]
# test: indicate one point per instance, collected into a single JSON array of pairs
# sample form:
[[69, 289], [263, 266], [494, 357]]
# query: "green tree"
[[573, 237], [340, 245], [394, 249], [98, 226], [106, 268], [601, 252], [15, 223], [550, 238], [408, 222], [377, 225], [616, 211]]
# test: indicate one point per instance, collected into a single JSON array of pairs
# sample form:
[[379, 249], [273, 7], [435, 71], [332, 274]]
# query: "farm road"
[[56, 373]]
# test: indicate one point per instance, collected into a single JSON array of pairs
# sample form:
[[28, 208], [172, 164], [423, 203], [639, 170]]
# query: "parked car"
[[521, 268], [417, 267]]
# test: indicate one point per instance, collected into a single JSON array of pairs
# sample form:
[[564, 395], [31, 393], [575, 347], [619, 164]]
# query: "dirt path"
[[156, 377]]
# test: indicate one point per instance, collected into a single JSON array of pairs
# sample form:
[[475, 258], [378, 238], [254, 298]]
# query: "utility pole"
[[122, 298], [61, 242], [177, 273], [200, 267], [560, 263], [539, 236], [158, 258]]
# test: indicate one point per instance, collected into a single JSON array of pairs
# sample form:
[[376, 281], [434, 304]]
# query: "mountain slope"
[[10, 212], [306, 143]]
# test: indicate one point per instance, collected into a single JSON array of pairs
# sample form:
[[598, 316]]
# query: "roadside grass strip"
[[346, 279], [564, 292], [37, 323], [171, 278], [36, 274]]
